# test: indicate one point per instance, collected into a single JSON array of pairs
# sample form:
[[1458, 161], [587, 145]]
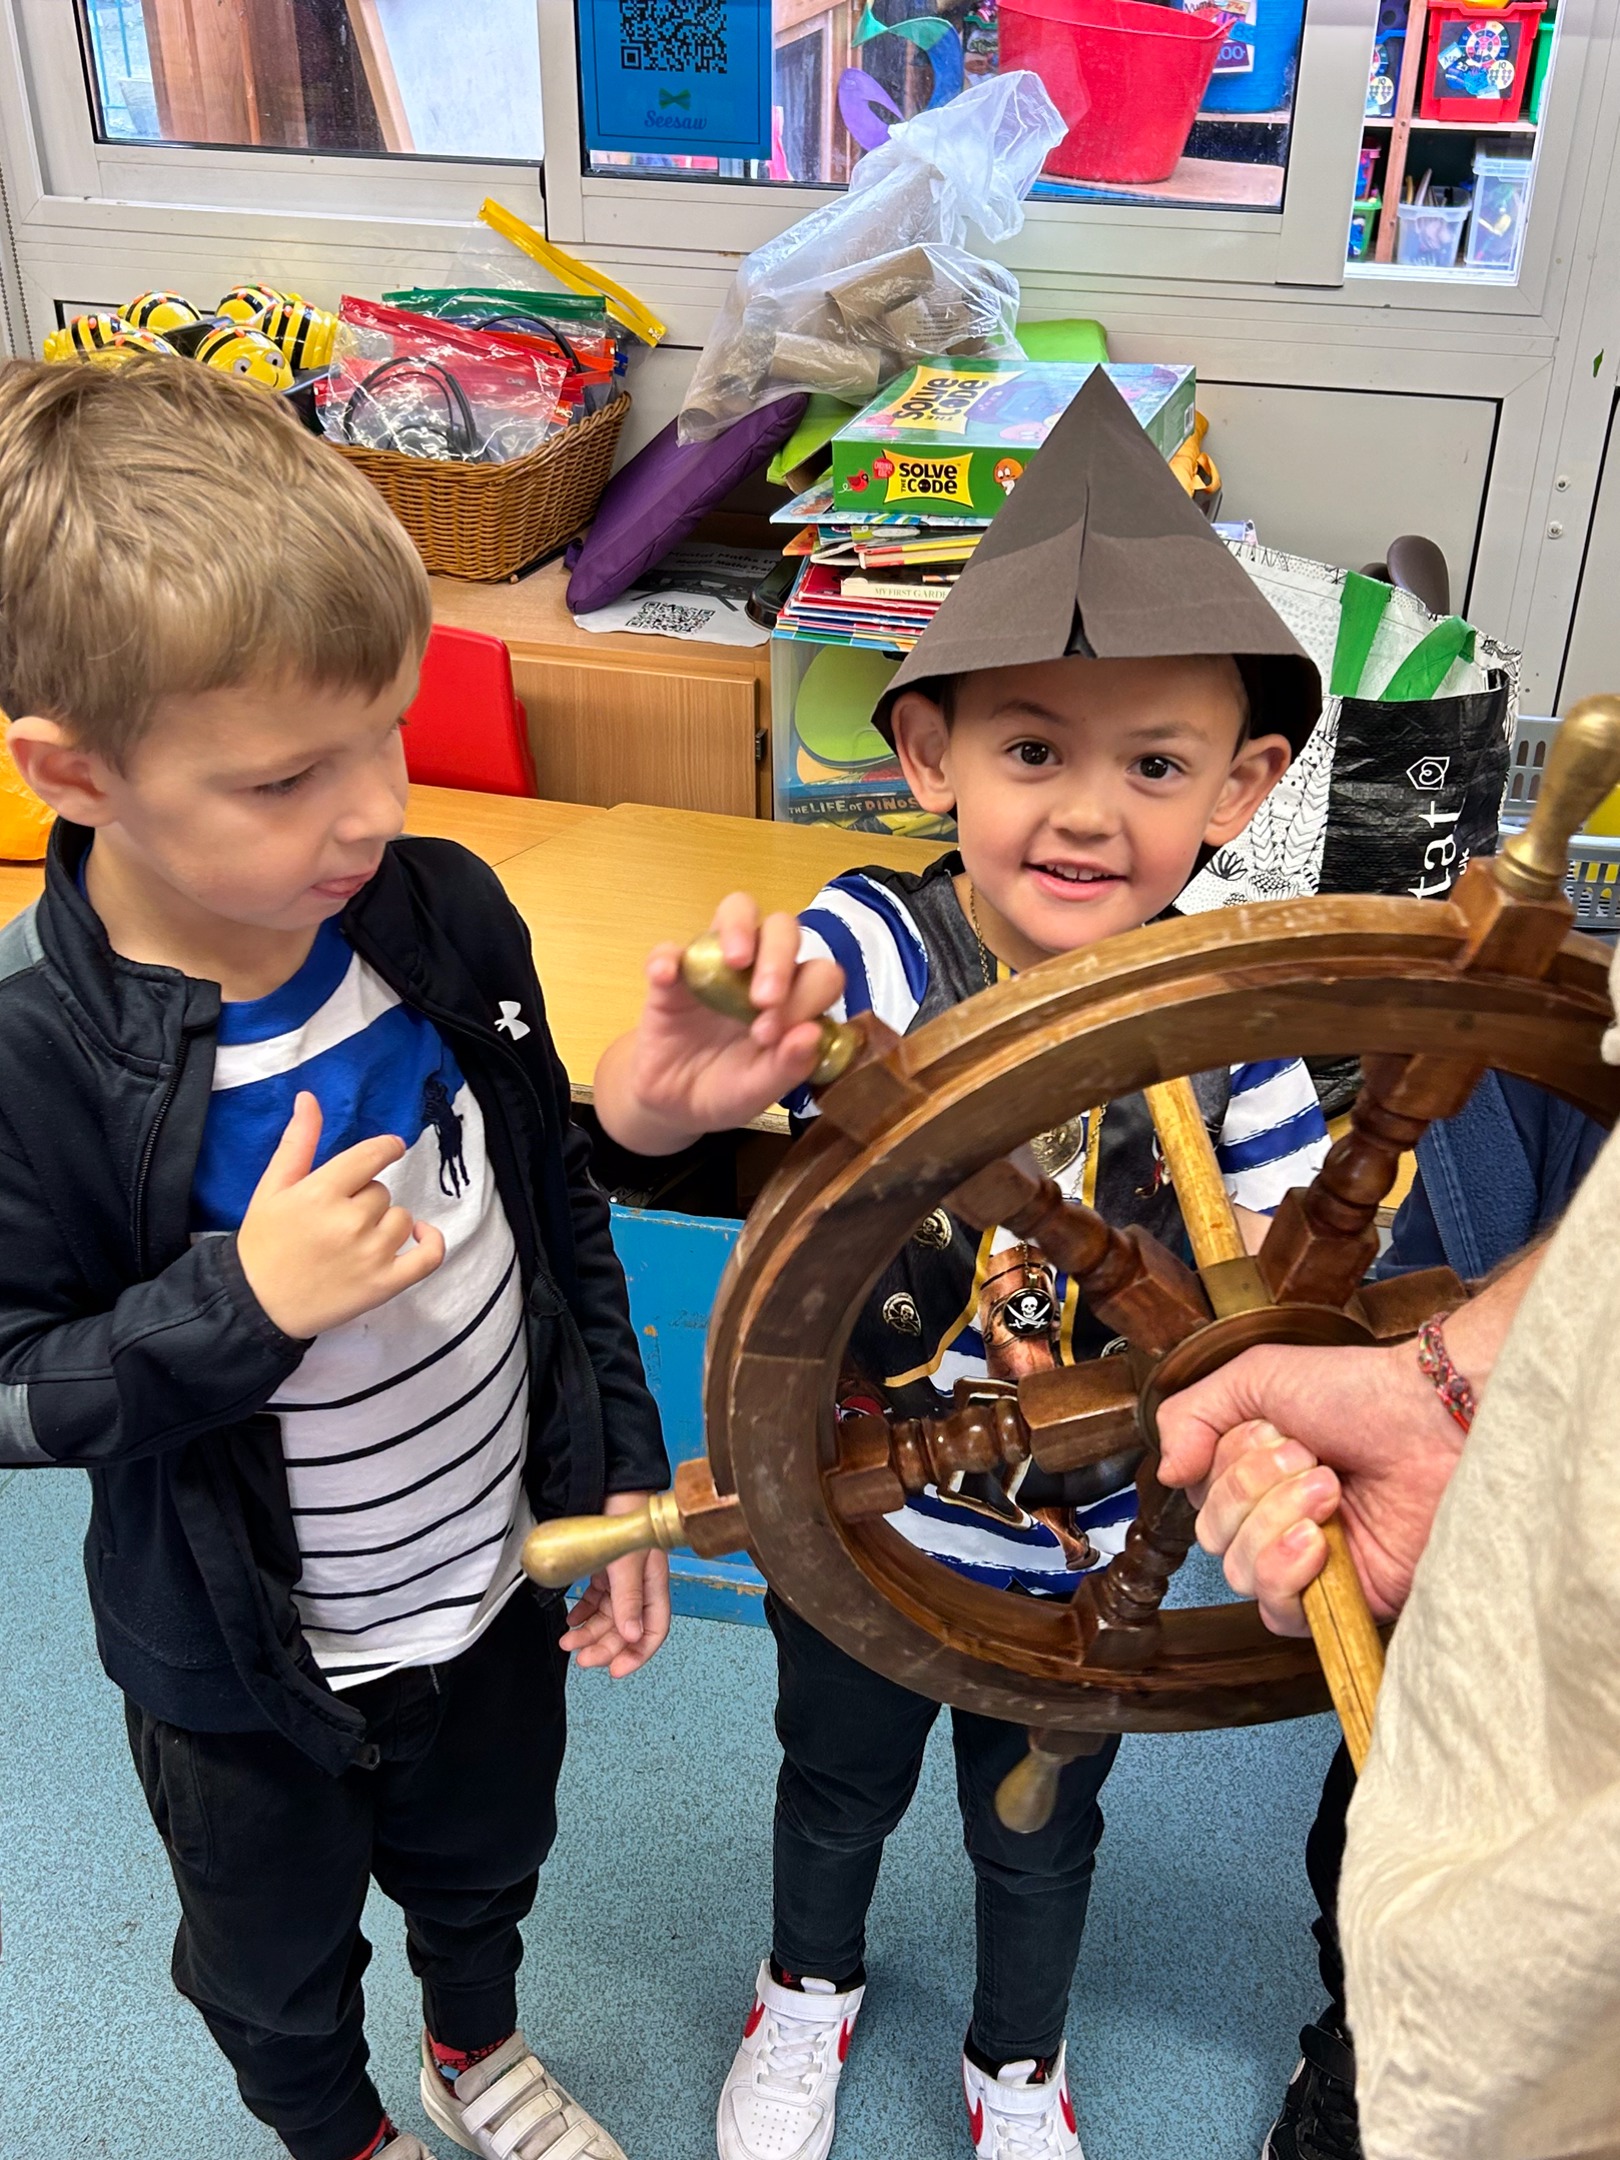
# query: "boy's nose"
[[375, 818], [1085, 811]]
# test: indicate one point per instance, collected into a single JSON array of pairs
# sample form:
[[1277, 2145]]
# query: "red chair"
[[466, 728]]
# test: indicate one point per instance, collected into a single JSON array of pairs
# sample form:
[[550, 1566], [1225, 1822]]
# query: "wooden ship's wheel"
[[1428, 993]]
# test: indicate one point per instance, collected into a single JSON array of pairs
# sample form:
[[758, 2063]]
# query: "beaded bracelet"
[[1434, 1360]]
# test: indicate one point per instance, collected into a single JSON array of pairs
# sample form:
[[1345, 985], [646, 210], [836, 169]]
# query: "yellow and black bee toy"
[[243, 302], [160, 311], [304, 333], [83, 335], [235, 351], [104, 341]]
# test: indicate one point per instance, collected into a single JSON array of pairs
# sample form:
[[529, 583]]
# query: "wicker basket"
[[491, 521]]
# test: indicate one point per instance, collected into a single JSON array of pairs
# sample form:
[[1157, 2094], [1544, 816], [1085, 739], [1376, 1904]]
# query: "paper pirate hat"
[[1099, 551]]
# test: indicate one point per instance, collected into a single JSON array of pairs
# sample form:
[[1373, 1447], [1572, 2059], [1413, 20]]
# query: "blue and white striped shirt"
[[403, 1431]]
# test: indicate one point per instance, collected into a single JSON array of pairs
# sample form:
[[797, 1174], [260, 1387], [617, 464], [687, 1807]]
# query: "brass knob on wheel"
[[1583, 767], [556, 1554], [714, 982]]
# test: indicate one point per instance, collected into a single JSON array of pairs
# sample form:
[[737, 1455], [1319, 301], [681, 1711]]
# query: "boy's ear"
[[71, 780], [923, 742], [1258, 766]]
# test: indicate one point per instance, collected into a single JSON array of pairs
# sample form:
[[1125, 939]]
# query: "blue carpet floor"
[[1196, 1973]]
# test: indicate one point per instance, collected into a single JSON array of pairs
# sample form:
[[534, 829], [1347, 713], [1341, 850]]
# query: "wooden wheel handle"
[[1341, 1622]]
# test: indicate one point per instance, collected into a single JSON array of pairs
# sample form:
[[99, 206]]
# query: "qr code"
[[678, 37], [670, 620]]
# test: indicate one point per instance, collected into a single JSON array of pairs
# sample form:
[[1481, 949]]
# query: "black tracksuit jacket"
[[133, 1353]]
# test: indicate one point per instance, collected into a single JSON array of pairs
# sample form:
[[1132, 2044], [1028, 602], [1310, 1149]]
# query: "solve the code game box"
[[952, 436]]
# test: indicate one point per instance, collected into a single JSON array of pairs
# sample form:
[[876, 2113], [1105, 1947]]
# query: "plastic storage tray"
[[829, 764], [1430, 233], [1593, 882], [1501, 194]]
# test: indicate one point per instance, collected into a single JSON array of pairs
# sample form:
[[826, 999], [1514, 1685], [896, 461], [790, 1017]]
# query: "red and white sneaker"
[[1024, 2114], [781, 2092]]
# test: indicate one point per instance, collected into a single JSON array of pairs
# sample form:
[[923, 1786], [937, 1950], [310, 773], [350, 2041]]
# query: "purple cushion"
[[662, 492]]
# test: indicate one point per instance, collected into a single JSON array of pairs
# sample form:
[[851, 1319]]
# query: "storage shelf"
[[1245, 119], [1473, 127], [1459, 127]]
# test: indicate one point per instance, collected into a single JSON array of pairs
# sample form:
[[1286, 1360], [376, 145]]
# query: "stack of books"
[[869, 581]]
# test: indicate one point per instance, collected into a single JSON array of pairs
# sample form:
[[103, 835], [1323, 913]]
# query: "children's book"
[[952, 437]]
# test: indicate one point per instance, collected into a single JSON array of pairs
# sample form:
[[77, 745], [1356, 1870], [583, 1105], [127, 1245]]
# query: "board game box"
[[951, 437]]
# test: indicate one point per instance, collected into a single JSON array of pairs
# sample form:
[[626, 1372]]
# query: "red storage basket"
[[1127, 77], [1479, 61]]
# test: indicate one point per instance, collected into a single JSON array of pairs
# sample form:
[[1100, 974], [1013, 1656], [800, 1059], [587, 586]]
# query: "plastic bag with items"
[[431, 389], [881, 277]]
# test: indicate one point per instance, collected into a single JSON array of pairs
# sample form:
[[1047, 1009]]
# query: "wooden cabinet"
[[620, 718]]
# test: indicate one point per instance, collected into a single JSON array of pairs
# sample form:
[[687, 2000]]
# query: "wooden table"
[[495, 827], [599, 898], [599, 888]]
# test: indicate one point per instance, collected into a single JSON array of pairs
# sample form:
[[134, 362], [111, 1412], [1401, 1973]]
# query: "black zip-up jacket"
[[130, 1352]]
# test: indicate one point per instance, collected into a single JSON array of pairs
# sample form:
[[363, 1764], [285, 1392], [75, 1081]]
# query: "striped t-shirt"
[[956, 1306], [403, 1431]]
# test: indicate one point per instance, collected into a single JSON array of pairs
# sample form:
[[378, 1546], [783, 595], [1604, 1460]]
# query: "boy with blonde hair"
[[1103, 695], [301, 1258]]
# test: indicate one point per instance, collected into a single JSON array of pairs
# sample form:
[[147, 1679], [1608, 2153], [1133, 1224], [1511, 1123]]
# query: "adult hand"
[[622, 1616], [685, 1070], [319, 1247], [1274, 1442]]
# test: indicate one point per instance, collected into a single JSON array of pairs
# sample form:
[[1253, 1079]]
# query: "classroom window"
[[424, 78], [1188, 103], [1456, 104]]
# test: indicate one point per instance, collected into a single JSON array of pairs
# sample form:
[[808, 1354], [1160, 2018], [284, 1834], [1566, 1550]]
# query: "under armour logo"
[[508, 1023]]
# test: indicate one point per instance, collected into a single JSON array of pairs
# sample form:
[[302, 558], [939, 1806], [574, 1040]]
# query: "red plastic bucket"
[[1127, 77]]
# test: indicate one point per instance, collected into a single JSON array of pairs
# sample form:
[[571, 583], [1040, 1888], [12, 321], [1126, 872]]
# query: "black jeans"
[[272, 1858], [1324, 1856], [852, 1750]]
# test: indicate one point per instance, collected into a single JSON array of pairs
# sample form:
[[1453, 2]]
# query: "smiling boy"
[[300, 1256], [1103, 696]]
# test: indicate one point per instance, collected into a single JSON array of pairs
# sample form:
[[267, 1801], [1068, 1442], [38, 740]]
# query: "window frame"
[[74, 161], [1300, 244]]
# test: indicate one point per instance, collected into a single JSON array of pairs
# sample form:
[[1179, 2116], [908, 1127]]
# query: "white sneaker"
[[1021, 2115], [781, 2092], [404, 2147], [510, 2107]]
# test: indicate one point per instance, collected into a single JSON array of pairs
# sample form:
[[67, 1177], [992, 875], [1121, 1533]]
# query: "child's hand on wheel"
[[623, 1614]]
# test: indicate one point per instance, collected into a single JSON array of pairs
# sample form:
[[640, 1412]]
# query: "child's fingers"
[[816, 985], [418, 1259], [654, 1602], [624, 1592], [581, 1613], [664, 966], [294, 1154], [776, 958], [356, 1167], [736, 925]]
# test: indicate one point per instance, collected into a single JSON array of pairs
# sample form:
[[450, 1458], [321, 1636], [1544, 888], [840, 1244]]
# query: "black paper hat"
[[1100, 551]]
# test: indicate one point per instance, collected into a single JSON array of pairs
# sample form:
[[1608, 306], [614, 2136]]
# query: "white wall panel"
[[1337, 474]]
